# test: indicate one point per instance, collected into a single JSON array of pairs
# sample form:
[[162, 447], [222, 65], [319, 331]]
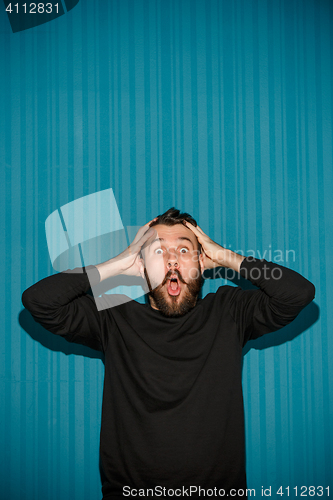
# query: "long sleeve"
[[282, 294], [60, 303]]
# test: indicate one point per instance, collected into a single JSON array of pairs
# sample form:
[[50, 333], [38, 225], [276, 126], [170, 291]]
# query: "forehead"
[[171, 234]]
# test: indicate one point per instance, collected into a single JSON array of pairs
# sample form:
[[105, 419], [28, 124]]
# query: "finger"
[[146, 239], [195, 229], [142, 230], [199, 230]]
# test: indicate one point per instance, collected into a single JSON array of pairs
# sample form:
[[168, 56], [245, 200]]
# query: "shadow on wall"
[[52, 341], [306, 318], [24, 15]]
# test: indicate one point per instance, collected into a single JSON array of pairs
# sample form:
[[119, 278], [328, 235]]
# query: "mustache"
[[170, 273]]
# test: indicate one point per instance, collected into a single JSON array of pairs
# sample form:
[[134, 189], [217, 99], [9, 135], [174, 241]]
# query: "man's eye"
[[183, 250], [158, 251]]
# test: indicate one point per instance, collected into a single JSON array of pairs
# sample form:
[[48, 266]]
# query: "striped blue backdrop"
[[222, 108]]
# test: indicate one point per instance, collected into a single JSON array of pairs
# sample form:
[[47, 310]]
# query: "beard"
[[174, 306]]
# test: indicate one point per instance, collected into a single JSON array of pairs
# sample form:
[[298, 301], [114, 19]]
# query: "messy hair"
[[172, 217]]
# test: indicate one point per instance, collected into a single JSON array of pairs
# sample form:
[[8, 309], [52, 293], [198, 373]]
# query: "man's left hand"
[[215, 255]]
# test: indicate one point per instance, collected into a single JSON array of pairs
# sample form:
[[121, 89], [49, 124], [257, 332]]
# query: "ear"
[[201, 262], [141, 265]]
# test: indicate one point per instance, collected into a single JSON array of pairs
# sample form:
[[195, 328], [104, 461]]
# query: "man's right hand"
[[128, 262]]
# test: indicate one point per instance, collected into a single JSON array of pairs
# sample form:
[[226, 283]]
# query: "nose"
[[172, 260]]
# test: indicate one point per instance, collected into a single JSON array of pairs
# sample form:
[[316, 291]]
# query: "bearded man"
[[172, 416]]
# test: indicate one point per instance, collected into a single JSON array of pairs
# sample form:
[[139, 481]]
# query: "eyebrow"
[[178, 239]]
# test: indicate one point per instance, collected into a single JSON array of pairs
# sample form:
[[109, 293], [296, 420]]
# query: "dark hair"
[[172, 217]]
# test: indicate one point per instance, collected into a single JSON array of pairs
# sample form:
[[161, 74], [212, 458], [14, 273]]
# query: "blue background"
[[222, 108]]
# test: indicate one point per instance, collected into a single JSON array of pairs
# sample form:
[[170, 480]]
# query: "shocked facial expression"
[[173, 267]]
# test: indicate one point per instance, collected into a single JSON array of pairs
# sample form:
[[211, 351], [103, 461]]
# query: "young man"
[[172, 417]]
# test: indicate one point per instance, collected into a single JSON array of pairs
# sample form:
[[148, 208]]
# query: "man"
[[172, 412]]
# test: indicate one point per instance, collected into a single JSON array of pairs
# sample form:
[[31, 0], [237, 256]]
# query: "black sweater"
[[172, 411]]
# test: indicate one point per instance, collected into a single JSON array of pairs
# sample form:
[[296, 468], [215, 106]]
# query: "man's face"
[[173, 269]]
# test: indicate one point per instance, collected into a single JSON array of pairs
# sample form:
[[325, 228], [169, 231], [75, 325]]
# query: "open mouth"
[[173, 286]]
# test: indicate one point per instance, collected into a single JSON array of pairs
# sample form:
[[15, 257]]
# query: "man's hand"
[[214, 254], [129, 258], [128, 262]]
